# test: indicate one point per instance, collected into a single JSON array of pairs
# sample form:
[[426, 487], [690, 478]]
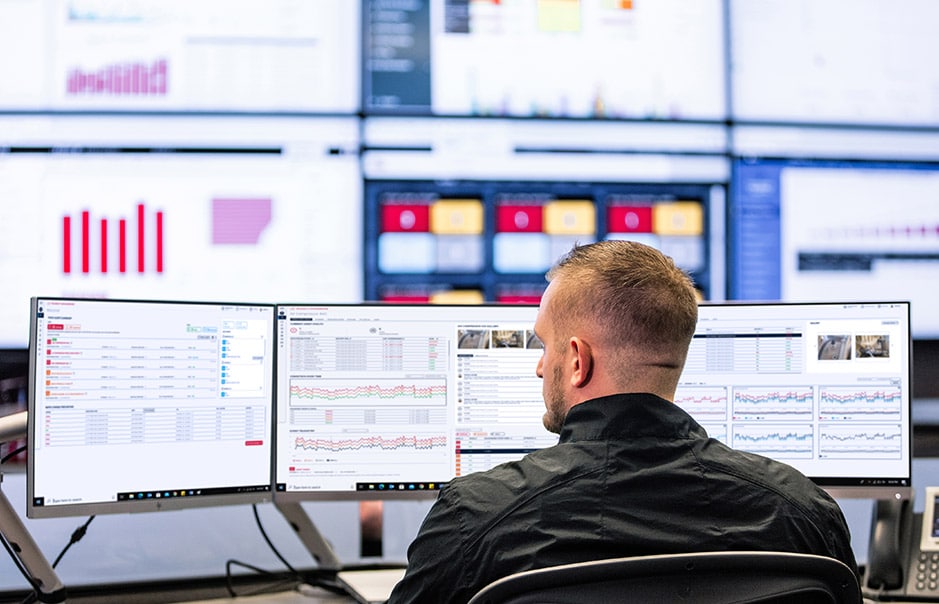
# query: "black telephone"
[[903, 555]]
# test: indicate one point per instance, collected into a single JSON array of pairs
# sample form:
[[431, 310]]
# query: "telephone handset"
[[903, 555]]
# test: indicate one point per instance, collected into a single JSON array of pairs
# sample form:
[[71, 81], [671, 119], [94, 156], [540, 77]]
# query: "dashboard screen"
[[141, 406]]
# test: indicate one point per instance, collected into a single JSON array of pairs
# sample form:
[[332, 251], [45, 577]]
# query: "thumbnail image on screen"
[[139, 406]]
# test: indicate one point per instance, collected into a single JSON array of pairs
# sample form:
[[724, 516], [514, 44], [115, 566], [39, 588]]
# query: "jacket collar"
[[628, 416]]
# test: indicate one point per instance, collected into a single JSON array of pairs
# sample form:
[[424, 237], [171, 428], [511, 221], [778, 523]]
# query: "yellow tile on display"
[[570, 218], [559, 15], [678, 218], [458, 296], [457, 217]]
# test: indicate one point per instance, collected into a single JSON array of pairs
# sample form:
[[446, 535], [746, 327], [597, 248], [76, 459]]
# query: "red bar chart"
[[79, 251], [119, 79]]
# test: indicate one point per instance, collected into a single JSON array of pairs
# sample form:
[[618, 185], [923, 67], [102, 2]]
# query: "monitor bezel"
[[262, 495]]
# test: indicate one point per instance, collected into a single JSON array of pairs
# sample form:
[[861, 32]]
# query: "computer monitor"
[[824, 387], [392, 400], [389, 401], [140, 406]]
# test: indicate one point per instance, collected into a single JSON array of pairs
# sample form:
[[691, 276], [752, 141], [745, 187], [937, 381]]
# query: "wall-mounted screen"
[[479, 211], [174, 55], [139, 406], [535, 58], [834, 62], [177, 207], [813, 230]]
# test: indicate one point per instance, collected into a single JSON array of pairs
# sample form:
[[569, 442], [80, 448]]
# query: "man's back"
[[632, 475]]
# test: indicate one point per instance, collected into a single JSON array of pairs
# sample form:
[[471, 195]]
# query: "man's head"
[[617, 316]]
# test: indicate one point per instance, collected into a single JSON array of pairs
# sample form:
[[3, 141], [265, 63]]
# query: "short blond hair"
[[634, 294]]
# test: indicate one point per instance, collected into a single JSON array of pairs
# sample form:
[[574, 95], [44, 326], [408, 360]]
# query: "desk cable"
[[326, 582]]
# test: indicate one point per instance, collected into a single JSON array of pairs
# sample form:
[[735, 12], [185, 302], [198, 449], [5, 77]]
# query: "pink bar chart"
[[119, 79]]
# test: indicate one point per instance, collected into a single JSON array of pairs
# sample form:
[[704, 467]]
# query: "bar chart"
[[126, 235], [134, 78]]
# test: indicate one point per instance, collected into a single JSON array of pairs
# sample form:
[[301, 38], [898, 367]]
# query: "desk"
[[259, 593], [374, 584], [314, 595]]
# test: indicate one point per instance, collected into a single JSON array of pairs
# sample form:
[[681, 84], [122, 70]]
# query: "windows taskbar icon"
[[149, 495], [398, 486]]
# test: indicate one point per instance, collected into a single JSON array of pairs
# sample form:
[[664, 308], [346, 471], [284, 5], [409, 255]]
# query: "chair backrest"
[[699, 578]]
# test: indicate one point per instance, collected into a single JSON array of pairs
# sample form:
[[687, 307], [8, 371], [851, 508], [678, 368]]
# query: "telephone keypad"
[[927, 571]]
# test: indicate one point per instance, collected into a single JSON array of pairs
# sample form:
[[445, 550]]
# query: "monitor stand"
[[20, 544], [309, 535], [364, 585], [27, 554]]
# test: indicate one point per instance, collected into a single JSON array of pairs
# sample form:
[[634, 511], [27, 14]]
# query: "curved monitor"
[[824, 387], [140, 406], [390, 401]]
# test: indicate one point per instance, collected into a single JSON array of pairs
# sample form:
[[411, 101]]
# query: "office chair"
[[699, 578]]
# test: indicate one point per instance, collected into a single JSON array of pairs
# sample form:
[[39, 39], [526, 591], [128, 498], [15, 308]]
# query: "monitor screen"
[[621, 60], [140, 406], [824, 387], [172, 55], [804, 230], [389, 401], [377, 401], [177, 208], [462, 207], [834, 62], [504, 235]]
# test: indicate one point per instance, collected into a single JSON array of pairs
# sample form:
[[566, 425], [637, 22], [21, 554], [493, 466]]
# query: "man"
[[632, 473]]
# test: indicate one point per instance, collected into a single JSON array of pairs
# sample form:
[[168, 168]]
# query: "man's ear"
[[581, 362]]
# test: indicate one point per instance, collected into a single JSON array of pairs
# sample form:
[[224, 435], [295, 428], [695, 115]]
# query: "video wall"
[[450, 150]]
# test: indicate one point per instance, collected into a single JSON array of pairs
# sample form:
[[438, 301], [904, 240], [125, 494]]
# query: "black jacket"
[[632, 474]]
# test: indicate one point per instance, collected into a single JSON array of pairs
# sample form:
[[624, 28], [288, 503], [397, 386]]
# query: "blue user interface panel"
[[813, 230]]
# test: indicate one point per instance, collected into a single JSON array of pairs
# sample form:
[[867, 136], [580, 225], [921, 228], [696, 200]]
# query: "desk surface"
[[314, 595], [373, 585], [318, 596]]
